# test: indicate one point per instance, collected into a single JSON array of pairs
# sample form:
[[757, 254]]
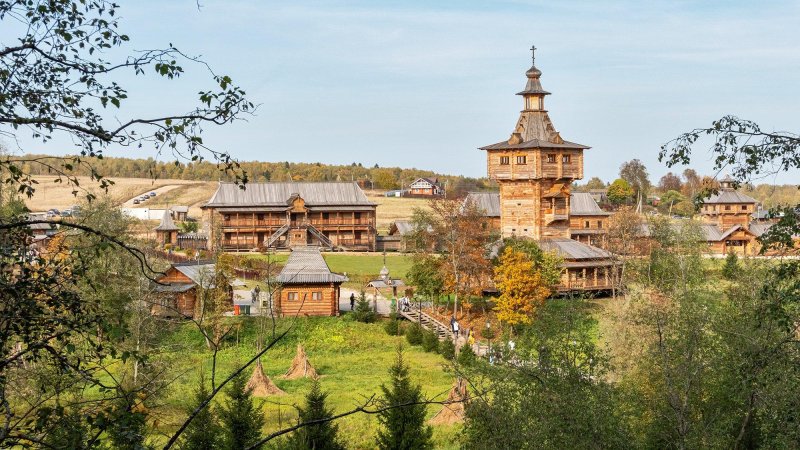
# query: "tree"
[[62, 85], [692, 184], [595, 183], [548, 264], [364, 312], [203, 432], [241, 420], [454, 229], [620, 192], [426, 274], [560, 373], [635, 173], [730, 269], [317, 436], [402, 419], [522, 289], [189, 226], [670, 182], [684, 208]]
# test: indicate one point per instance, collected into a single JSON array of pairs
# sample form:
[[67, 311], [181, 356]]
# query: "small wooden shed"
[[167, 231], [308, 287]]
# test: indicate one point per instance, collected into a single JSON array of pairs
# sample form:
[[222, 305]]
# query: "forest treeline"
[[258, 171]]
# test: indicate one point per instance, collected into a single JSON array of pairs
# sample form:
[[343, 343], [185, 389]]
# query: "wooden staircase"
[[429, 323], [276, 235]]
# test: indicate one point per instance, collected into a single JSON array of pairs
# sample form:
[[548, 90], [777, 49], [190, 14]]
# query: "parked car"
[[76, 210], [136, 201], [152, 194], [66, 213]]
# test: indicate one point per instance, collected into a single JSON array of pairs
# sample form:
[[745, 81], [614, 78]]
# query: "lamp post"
[[489, 337]]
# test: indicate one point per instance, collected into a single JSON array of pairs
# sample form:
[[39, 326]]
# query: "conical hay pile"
[[260, 385], [453, 411], [301, 366]]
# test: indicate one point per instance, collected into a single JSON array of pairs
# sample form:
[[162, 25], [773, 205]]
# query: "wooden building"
[[179, 288], [167, 231], [535, 168], [587, 222], [307, 285], [284, 215], [426, 187], [728, 223], [585, 267], [489, 204]]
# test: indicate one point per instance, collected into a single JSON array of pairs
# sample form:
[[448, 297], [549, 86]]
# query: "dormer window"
[[504, 160], [551, 158], [522, 160]]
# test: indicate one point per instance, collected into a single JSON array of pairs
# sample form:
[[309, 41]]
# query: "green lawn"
[[353, 359], [368, 265]]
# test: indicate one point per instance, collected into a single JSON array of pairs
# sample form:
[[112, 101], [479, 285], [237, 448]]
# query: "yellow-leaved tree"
[[522, 289]]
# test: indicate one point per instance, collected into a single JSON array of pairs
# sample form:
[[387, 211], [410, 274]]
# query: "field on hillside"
[[352, 358], [394, 208], [51, 194]]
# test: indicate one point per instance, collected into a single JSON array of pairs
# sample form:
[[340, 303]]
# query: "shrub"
[[467, 357], [364, 312], [488, 333], [447, 349], [430, 341], [414, 334], [731, 268], [392, 326]]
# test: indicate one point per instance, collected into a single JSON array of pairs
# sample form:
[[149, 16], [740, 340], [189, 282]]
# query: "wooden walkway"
[[429, 323]]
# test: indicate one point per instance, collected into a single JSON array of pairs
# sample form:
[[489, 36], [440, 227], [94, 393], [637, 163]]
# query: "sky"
[[425, 83]]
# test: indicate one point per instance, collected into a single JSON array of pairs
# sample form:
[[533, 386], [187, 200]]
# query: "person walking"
[[352, 301]]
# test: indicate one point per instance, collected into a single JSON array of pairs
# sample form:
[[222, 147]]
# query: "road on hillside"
[[159, 191]]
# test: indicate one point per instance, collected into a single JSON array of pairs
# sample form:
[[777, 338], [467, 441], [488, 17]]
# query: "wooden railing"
[[278, 223]]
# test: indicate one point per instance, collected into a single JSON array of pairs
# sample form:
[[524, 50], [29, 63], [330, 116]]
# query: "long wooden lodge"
[[332, 215]]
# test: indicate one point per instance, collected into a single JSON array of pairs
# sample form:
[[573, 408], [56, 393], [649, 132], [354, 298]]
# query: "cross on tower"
[[533, 55]]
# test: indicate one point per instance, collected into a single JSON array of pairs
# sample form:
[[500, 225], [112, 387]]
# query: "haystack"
[[260, 385], [301, 366], [453, 410]]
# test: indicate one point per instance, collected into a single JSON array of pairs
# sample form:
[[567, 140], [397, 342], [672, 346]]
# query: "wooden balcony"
[[555, 214]]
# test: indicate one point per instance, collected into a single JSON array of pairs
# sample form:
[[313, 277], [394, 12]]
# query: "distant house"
[[307, 285], [179, 213], [179, 287], [584, 267], [426, 187], [728, 222], [41, 233], [599, 195]]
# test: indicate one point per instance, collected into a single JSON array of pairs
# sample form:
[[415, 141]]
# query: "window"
[[504, 160], [260, 217], [551, 158], [599, 224], [291, 296], [727, 207], [522, 159], [316, 296], [565, 159], [586, 224], [744, 207], [325, 216], [226, 217]]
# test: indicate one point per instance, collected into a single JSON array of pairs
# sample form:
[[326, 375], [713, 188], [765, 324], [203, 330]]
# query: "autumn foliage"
[[523, 290]]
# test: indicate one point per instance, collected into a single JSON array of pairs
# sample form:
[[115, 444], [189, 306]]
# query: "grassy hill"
[[353, 360]]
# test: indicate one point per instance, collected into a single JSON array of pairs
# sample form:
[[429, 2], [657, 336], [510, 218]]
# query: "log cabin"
[[587, 222], [179, 287], [166, 231], [728, 223], [307, 285], [334, 215]]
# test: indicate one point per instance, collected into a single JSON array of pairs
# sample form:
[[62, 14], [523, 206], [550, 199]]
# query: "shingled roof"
[[167, 224], [572, 249], [583, 204], [279, 194], [488, 202], [729, 196], [306, 265]]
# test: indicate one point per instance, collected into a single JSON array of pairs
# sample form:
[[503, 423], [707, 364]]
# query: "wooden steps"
[[429, 323]]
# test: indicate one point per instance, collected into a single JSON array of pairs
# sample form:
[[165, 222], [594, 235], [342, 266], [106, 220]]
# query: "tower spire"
[[533, 55]]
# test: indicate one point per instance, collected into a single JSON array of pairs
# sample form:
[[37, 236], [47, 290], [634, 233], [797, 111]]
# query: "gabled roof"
[[278, 194], [758, 228], [488, 202], [583, 204], [571, 249], [729, 196], [200, 274], [306, 265], [179, 209], [432, 182], [166, 222]]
